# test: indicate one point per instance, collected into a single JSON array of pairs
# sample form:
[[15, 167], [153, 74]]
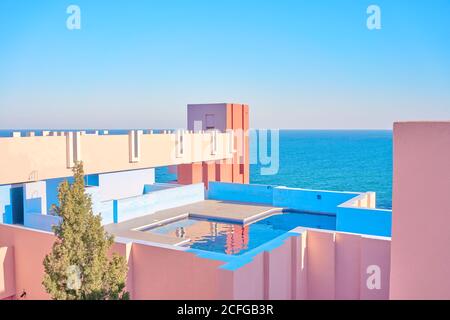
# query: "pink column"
[[420, 252], [7, 274], [321, 265], [348, 265]]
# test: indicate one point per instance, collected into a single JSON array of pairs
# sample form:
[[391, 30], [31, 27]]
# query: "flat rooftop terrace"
[[237, 212]]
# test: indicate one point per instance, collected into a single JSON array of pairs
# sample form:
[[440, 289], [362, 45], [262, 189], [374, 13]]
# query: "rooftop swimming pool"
[[235, 239]]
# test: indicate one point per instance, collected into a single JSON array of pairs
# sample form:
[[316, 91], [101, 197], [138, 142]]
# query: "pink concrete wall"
[[299, 267], [161, 273], [375, 253], [348, 266], [7, 274], [311, 265], [248, 281], [279, 272], [316, 265], [30, 248], [421, 211], [125, 250], [276, 274], [321, 265], [337, 265]]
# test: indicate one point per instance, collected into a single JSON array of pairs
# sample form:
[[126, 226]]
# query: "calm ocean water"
[[334, 160], [339, 160]]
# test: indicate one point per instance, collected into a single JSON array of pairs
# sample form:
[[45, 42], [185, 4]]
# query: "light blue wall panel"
[[310, 200], [376, 222], [6, 211], [125, 184], [241, 192], [134, 207], [43, 222]]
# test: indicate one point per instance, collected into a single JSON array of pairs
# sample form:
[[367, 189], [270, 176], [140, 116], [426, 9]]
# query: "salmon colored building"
[[224, 117], [213, 235]]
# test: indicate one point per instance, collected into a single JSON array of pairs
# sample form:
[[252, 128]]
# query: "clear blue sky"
[[299, 64]]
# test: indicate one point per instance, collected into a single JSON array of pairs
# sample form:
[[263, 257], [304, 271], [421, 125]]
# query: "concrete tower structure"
[[222, 117]]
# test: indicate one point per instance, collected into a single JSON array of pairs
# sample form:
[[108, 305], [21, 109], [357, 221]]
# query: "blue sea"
[[342, 160], [338, 160]]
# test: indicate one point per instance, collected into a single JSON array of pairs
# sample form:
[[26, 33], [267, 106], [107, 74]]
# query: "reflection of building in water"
[[180, 232], [199, 230], [237, 239], [236, 236]]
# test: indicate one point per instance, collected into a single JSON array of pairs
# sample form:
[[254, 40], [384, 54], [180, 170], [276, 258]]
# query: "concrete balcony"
[[33, 158]]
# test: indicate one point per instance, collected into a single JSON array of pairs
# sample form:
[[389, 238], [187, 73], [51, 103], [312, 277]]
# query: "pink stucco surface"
[[348, 266], [7, 280], [30, 248], [321, 264], [337, 265], [299, 267], [309, 265], [161, 273], [420, 255], [375, 253], [248, 281], [279, 274]]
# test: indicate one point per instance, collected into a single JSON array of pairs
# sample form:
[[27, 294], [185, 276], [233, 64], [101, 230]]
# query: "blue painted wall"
[[155, 201], [180, 196], [310, 200], [17, 204], [6, 212], [103, 189], [92, 180], [43, 222], [52, 191], [293, 198], [367, 221], [35, 206], [241, 192], [35, 198], [53, 184], [158, 186]]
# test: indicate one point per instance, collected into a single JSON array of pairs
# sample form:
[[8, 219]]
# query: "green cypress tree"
[[78, 268]]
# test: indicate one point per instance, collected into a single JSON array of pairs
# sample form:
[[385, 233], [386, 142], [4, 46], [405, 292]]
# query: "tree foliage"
[[79, 267]]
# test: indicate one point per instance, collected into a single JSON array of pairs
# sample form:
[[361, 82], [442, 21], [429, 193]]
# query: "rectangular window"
[[210, 122]]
